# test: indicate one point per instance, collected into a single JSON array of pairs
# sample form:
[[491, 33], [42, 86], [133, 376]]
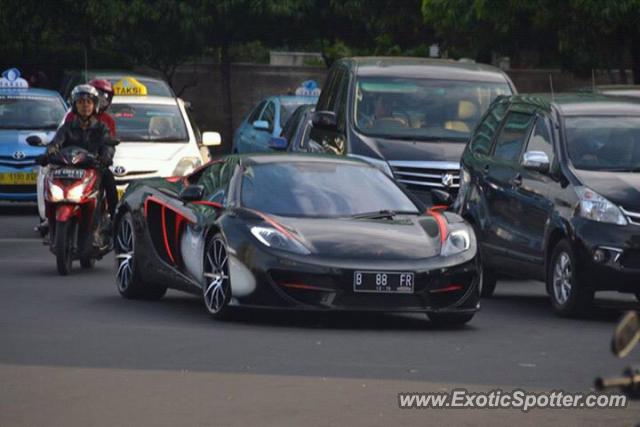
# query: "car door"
[[246, 132], [334, 98], [504, 212], [260, 138], [532, 196]]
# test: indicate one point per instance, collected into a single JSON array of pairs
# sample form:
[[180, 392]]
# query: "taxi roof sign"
[[11, 80], [308, 88], [128, 86]]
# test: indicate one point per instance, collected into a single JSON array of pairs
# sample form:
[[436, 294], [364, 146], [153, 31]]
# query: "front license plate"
[[18, 178], [383, 282]]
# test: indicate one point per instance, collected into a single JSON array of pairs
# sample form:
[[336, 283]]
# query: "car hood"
[[148, 151], [16, 140], [404, 238], [399, 149], [621, 188]]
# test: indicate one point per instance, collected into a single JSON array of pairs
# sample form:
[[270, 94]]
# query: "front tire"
[[450, 320], [130, 284], [216, 291], [570, 296], [64, 247]]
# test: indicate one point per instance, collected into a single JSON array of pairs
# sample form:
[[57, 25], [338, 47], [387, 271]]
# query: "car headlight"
[[457, 241], [186, 165], [595, 207], [273, 238], [56, 193], [380, 164]]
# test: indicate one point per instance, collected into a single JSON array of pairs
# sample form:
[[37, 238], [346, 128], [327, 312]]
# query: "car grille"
[[27, 162], [425, 175], [632, 217]]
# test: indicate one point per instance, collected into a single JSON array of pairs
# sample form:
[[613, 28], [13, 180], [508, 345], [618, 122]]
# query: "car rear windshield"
[[30, 112], [314, 189], [146, 122], [606, 143], [422, 109]]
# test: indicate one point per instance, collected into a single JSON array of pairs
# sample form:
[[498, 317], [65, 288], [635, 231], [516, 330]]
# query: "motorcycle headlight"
[[56, 193], [380, 164], [74, 194], [457, 241], [186, 165], [593, 206], [273, 238]]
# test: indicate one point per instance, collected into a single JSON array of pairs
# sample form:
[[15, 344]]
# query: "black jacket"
[[94, 139]]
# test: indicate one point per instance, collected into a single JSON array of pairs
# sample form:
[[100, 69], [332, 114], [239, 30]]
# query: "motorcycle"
[[75, 208], [625, 337]]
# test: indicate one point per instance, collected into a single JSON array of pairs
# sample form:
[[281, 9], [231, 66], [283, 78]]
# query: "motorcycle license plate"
[[68, 173], [18, 178], [383, 282]]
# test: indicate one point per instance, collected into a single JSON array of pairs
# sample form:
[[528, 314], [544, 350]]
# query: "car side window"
[[540, 139], [269, 114], [194, 126], [483, 136], [290, 127], [323, 103], [256, 112], [340, 101], [512, 136], [210, 178]]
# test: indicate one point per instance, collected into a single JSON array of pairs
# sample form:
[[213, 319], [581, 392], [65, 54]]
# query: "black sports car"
[[296, 231]]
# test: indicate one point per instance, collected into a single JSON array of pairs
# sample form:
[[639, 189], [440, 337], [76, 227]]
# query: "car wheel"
[[216, 291], [570, 296], [451, 320], [130, 285], [64, 235]]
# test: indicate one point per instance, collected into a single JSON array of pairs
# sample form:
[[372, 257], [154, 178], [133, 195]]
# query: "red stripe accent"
[[449, 288], [179, 220], [164, 234], [166, 205], [442, 222], [303, 286], [207, 203], [174, 179]]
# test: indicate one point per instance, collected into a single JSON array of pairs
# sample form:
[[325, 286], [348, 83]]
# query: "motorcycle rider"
[[85, 130]]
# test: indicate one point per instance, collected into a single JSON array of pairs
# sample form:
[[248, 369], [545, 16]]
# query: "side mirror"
[[34, 141], [441, 197], [261, 125], [278, 143], [536, 161], [325, 120], [192, 193], [626, 334], [211, 139]]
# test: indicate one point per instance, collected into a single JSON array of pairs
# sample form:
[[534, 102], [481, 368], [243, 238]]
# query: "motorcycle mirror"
[[626, 334], [34, 141]]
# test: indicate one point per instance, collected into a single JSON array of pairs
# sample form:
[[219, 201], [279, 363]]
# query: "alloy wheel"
[[217, 290], [562, 278], [124, 255]]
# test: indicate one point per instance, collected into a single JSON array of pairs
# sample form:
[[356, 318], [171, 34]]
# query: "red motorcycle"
[[75, 207]]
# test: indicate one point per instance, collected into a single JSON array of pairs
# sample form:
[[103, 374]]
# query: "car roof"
[[581, 103], [425, 67], [31, 91], [270, 158], [157, 100]]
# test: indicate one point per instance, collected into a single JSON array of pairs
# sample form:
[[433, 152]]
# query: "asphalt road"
[[72, 352]]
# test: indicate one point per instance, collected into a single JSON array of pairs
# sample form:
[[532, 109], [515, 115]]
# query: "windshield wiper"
[[385, 213]]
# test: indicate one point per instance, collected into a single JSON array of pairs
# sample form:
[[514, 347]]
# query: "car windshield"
[[289, 106], [606, 143], [315, 189], [30, 112], [422, 109], [148, 122]]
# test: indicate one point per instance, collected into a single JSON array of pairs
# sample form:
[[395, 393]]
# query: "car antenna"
[[551, 87]]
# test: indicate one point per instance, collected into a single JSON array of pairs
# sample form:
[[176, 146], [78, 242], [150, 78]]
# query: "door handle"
[[517, 180]]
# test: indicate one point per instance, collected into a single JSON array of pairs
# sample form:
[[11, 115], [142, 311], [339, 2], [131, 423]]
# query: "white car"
[[158, 139]]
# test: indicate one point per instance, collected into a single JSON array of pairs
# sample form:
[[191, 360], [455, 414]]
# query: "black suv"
[[552, 187], [408, 116]]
